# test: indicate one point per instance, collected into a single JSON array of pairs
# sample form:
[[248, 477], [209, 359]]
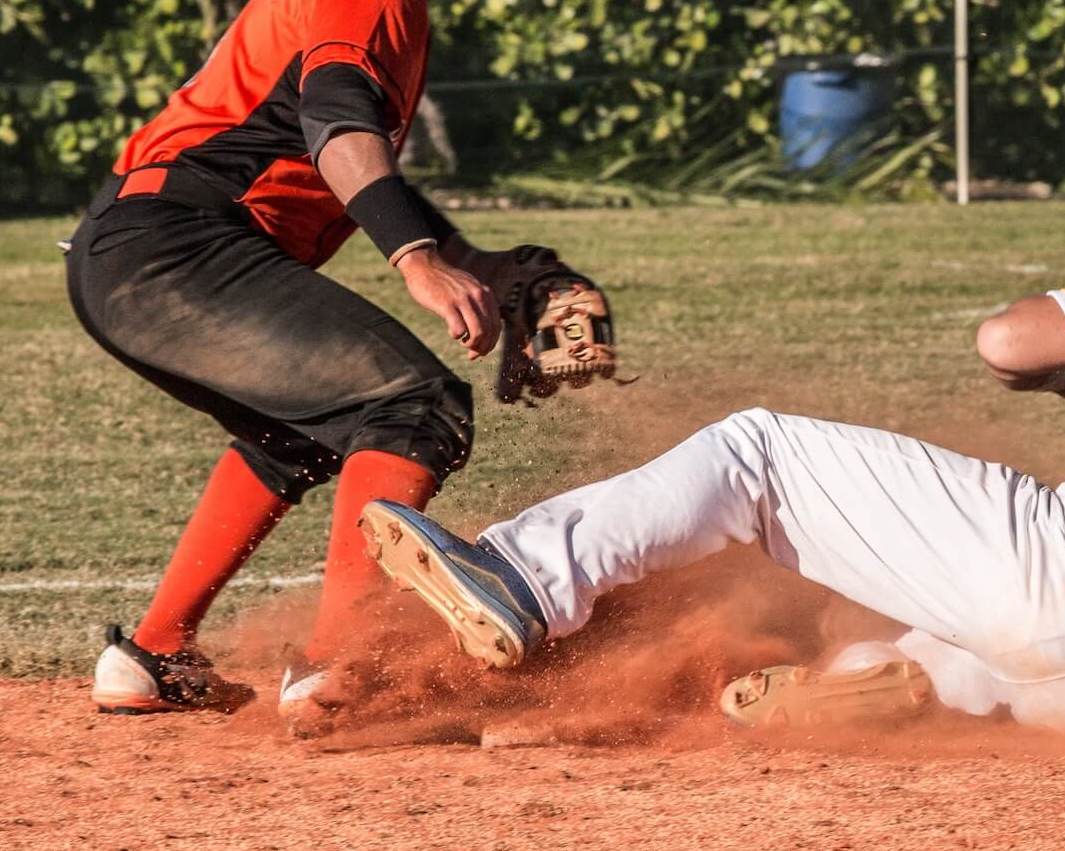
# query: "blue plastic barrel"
[[830, 113]]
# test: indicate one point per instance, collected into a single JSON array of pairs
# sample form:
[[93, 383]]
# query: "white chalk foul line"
[[59, 586]]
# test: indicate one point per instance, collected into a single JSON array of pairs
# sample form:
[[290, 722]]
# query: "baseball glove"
[[557, 327]]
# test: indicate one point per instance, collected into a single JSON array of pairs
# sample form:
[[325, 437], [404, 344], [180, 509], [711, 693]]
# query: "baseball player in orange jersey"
[[969, 554], [195, 267]]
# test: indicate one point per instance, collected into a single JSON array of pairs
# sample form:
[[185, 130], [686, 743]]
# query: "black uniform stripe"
[[234, 159]]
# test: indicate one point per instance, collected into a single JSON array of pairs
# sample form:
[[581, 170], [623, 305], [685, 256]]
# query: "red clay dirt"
[[637, 754]]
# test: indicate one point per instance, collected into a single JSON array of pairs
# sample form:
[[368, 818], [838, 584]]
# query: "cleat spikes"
[[466, 585]]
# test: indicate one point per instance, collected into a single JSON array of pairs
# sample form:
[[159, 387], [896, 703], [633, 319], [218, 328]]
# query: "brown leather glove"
[[557, 325]]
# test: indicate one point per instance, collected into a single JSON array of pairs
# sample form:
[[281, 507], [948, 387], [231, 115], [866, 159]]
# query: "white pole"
[[961, 97]]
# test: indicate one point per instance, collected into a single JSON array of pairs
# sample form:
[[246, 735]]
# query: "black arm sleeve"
[[339, 97], [442, 227]]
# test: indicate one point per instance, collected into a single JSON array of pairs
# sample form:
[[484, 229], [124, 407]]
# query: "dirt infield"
[[632, 752], [864, 314], [78, 780]]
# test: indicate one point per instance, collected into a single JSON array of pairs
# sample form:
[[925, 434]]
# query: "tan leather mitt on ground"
[[557, 327]]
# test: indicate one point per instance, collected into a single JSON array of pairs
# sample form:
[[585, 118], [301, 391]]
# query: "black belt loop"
[[105, 198]]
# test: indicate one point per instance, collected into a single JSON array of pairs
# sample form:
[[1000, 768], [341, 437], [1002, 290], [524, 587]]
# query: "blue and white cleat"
[[488, 605]]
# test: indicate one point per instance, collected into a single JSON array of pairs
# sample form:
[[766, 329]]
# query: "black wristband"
[[389, 212]]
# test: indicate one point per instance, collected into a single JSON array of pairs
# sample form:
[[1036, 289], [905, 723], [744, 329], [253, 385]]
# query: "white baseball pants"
[[969, 553]]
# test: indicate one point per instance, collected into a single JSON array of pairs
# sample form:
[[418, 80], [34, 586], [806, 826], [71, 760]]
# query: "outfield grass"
[[863, 313]]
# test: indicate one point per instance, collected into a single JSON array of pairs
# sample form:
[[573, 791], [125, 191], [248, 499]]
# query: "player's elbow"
[[1000, 343]]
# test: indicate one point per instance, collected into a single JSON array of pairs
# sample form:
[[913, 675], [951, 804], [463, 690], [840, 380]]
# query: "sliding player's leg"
[[959, 548]]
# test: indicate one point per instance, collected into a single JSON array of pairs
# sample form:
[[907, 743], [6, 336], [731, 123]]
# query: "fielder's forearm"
[[361, 170]]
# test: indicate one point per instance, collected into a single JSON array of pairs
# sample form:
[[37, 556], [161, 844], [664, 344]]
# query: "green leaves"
[[8, 136], [628, 89], [87, 74], [676, 56]]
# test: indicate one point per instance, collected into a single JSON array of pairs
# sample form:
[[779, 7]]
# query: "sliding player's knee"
[[744, 434], [752, 421], [746, 426]]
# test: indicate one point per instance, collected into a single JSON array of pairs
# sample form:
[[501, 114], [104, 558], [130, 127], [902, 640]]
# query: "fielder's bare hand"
[[467, 307]]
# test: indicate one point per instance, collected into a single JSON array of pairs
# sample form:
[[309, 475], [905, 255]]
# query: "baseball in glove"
[[557, 327]]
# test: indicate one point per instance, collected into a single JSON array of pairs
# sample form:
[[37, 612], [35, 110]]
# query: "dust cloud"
[[650, 666]]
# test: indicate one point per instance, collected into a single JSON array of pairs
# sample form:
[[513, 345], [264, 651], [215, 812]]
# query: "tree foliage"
[[86, 75], [665, 81], [602, 88]]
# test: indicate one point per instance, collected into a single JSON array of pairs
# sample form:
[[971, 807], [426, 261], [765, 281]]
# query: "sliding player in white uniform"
[[969, 554]]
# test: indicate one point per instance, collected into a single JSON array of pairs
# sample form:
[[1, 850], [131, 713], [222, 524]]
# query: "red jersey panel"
[[236, 123]]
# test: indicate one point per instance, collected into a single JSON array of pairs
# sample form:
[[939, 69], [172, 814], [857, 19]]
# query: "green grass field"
[[863, 313]]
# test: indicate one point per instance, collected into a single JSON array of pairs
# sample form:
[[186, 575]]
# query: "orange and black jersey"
[[285, 77]]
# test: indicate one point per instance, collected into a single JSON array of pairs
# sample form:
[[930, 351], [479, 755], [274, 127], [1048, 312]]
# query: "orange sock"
[[367, 475], [234, 514]]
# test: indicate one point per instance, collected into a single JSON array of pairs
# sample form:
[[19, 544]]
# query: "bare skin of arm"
[[1024, 345], [350, 162]]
